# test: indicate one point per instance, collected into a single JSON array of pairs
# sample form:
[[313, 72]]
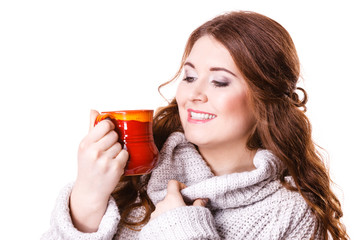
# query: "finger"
[[107, 141], [201, 202], [93, 116], [175, 186], [121, 159], [100, 130], [114, 150]]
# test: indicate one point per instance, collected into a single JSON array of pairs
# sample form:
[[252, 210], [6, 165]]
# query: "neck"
[[229, 159]]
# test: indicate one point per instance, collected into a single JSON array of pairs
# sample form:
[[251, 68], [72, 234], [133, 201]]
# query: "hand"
[[101, 162], [174, 199]]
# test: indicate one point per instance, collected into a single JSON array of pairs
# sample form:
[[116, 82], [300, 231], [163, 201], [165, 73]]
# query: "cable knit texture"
[[247, 205]]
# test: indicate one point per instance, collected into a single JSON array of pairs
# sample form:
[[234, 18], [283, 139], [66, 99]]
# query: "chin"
[[197, 139]]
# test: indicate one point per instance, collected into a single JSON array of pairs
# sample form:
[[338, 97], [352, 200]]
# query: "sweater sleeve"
[[188, 222], [61, 226]]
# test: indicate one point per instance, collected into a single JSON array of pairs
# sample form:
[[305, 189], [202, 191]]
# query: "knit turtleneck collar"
[[180, 160]]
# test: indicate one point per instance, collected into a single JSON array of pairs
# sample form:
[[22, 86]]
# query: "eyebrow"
[[212, 68]]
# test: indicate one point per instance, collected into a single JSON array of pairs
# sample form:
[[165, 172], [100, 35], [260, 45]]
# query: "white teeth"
[[201, 116]]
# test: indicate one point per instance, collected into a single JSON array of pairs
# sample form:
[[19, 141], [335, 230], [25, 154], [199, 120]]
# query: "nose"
[[198, 92]]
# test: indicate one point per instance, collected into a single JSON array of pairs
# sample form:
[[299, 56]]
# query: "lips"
[[195, 116]]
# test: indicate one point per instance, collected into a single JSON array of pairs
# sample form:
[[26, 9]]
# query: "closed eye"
[[189, 79], [220, 84]]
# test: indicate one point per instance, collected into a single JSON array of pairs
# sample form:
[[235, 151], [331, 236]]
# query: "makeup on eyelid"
[[217, 81]]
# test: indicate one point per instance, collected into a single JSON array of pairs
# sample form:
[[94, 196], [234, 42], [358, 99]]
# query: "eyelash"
[[215, 83], [220, 84], [189, 79]]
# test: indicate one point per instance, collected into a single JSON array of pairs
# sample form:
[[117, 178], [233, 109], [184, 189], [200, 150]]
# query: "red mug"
[[134, 128]]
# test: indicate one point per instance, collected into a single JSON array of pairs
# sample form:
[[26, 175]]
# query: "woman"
[[237, 160]]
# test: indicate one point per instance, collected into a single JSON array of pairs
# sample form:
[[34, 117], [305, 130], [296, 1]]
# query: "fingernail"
[[204, 201]]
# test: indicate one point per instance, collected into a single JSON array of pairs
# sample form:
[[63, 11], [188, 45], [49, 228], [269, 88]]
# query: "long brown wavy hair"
[[266, 56]]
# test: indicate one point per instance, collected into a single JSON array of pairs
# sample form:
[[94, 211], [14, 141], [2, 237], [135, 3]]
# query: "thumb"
[[93, 115], [200, 202], [175, 186]]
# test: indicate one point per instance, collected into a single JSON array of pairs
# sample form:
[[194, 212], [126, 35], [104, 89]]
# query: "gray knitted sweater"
[[247, 205]]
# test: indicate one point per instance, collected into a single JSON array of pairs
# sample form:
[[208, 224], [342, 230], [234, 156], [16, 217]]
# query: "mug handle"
[[103, 116]]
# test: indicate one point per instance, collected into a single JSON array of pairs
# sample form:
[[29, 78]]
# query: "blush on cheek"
[[239, 107], [237, 103]]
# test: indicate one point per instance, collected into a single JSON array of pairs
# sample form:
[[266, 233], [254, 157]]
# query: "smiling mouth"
[[197, 116]]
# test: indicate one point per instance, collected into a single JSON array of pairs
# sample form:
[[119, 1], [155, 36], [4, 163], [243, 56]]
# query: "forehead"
[[209, 52]]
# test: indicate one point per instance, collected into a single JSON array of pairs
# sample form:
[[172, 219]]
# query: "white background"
[[59, 59]]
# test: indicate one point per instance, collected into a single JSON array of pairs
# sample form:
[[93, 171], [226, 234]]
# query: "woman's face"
[[213, 97]]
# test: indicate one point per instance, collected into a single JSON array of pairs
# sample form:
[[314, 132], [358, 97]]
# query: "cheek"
[[177, 94], [231, 103], [180, 99], [238, 107]]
